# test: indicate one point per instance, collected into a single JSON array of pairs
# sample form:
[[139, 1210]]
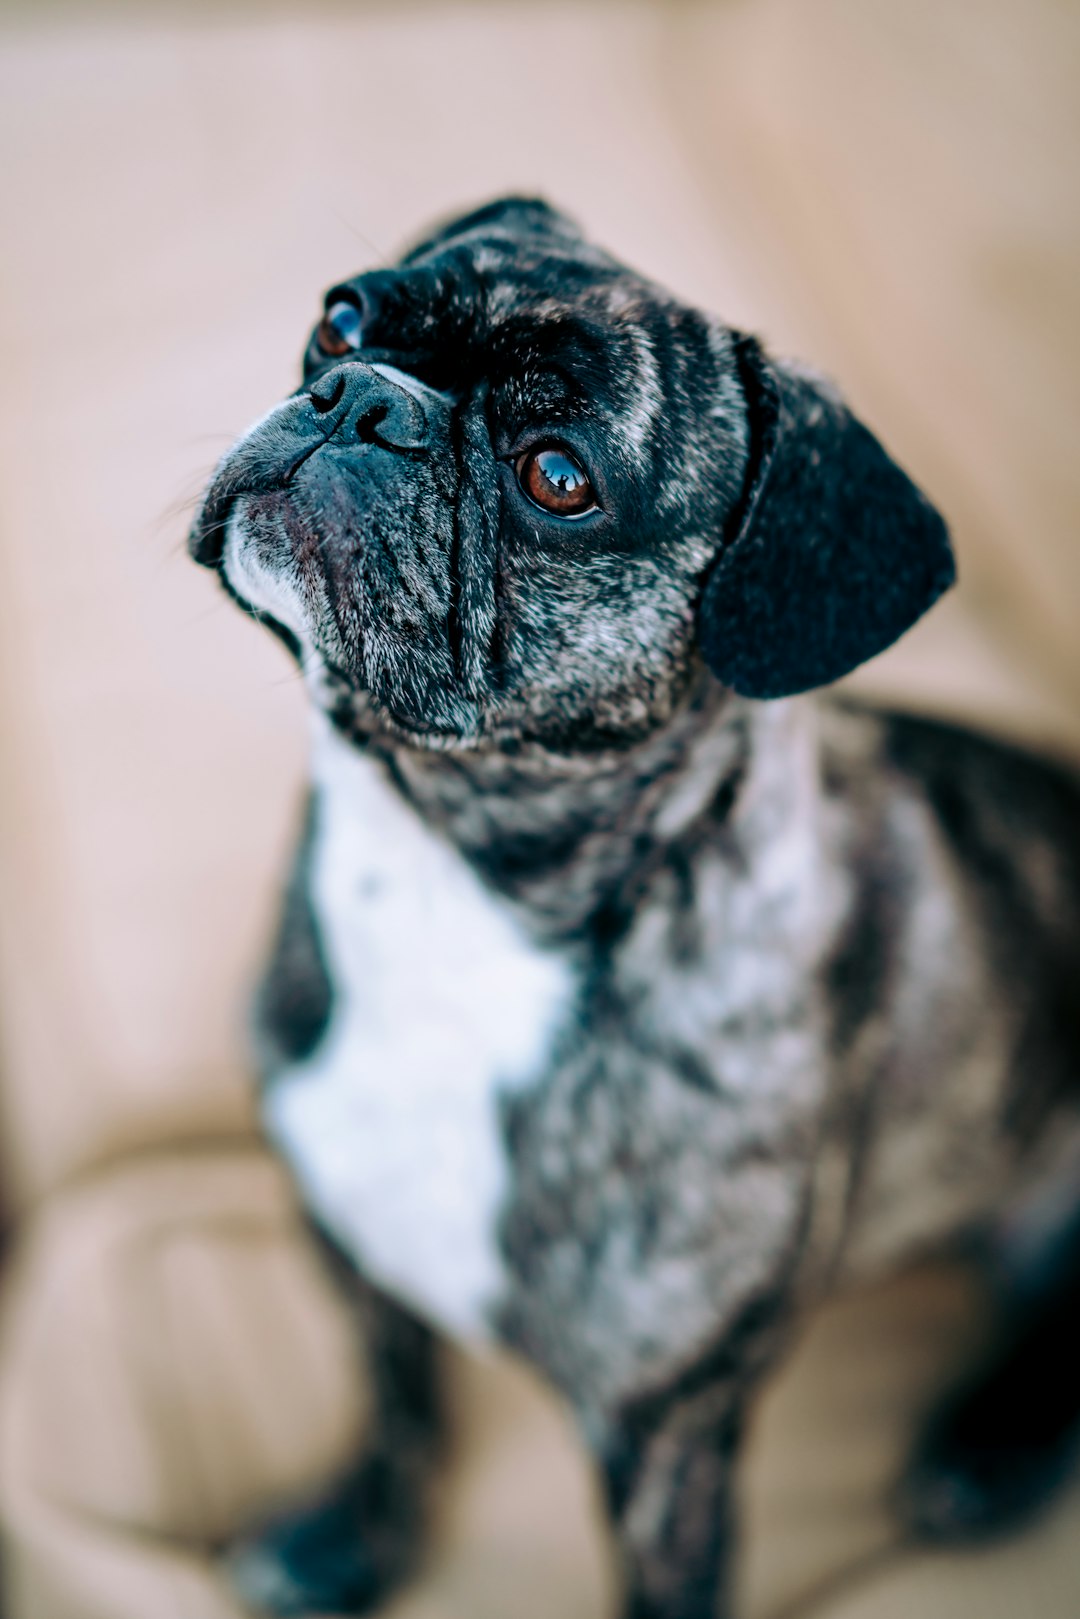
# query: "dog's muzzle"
[[353, 406]]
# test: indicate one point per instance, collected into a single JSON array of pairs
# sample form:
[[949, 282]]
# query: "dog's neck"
[[574, 838]]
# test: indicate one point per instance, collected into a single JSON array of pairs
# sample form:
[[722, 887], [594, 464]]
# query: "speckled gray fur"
[[816, 1008]]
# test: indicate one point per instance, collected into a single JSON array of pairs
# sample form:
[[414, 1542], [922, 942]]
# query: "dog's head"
[[521, 492]]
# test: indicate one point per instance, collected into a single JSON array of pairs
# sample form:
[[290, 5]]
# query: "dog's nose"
[[362, 403]]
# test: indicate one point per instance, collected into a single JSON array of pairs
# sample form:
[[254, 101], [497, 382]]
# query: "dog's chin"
[[359, 714], [275, 568]]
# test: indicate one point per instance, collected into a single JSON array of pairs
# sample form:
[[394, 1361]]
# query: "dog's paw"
[[952, 1497], [289, 1570], [1002, 1444], [985, 1467]]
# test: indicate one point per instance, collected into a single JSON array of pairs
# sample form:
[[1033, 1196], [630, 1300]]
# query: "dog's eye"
[[554, 481], [341, 329]]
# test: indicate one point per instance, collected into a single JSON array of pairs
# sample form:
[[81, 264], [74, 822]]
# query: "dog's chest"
[[441, 1004]]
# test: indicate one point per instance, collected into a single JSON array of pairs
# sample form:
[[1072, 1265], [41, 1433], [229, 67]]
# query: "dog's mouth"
[[209, 529], [263, 462], [268, 560], [343, 521], [360, 598]]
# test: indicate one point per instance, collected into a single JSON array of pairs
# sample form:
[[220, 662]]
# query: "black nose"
[[360, 403]]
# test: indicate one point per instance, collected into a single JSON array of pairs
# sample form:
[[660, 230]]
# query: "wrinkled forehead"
[[497, 286], [515, 298]]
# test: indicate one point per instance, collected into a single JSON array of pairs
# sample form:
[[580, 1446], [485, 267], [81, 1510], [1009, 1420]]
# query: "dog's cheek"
[[607, 638], [385, 558], [409, 638]]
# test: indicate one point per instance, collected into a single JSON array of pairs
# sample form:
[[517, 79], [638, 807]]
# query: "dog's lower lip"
[[419, 727], [206, 537]]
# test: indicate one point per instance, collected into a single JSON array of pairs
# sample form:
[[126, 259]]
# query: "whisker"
[[381, 257]]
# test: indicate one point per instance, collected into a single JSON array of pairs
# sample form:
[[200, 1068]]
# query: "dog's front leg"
[[669, 1466], [675, 1528], [347, 1547]]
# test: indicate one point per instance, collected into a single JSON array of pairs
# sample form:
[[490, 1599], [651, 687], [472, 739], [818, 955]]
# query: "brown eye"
[[553, 480], [341, 329]]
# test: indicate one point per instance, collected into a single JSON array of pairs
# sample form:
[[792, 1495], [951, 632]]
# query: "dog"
[[626, 997]]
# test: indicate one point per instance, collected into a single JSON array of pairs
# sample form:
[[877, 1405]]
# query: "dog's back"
[[954, 991]]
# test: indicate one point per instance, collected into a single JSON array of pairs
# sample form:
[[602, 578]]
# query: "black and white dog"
[[620, 1005]]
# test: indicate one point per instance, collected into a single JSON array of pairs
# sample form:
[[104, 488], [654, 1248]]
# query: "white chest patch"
[[441, 1003]]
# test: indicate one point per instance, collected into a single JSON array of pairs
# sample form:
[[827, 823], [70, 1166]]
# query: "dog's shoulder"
[[1009, 814], [981, 837], [294, 999]]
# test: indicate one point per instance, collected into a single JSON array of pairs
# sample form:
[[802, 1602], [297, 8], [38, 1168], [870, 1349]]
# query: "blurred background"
[[886, 190]]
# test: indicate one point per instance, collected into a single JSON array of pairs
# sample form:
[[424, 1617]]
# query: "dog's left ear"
[[833, 553]]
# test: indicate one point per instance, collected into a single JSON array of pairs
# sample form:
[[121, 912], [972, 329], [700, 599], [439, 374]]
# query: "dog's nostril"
[[324, 402], [369, 422]]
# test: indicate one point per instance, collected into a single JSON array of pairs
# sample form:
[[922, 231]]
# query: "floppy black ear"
[[833, 554]]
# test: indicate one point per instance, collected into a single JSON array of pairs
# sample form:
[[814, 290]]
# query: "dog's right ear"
[[833, 553]]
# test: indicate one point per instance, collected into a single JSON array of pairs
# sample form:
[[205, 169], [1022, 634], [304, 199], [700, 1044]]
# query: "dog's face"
[[521, 491]]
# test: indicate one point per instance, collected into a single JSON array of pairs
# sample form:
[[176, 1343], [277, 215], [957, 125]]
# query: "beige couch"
[[887, 190]]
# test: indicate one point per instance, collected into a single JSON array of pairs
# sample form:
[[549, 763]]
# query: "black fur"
[[292, 1008], [835, 552], [346, 1548]]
